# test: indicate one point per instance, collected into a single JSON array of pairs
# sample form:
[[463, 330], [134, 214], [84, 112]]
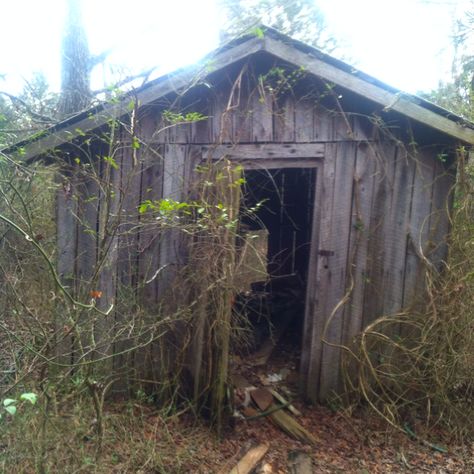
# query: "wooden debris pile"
[[252, 403]]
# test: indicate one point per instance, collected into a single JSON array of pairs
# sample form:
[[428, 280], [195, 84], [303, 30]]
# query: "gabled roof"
[[279, 45]]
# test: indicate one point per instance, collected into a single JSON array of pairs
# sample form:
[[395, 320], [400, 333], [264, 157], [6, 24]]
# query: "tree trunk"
[[75, 63]]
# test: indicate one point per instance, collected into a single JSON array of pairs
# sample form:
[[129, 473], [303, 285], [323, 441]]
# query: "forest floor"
[[140, 438], [345, 444]]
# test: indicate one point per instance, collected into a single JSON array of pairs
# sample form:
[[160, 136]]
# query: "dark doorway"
[[281, 203]]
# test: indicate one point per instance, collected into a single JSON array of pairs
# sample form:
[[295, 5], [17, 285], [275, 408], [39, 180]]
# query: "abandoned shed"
[[348, 180]]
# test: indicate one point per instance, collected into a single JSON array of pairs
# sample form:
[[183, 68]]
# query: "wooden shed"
[[362, 178]]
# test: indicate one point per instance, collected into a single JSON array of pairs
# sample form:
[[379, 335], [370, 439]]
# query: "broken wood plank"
[[283, 401], [251, 459], [290, 426], [283, 420]]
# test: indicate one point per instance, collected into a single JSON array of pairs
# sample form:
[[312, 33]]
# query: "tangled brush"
[[415, 368]]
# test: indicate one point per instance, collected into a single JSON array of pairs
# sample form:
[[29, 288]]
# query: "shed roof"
[[278, 45]]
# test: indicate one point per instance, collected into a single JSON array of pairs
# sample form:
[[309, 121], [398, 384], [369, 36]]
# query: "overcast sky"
[[406, 43]]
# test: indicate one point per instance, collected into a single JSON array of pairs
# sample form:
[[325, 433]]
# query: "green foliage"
[[457, 95], [175, 118], [258, 32], [111, 161], [135, 143], [32, 110], [168, 212], [164, 207], [280, 80], [11, 405]]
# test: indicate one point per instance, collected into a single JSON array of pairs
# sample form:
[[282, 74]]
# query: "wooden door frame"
[[280, 156]]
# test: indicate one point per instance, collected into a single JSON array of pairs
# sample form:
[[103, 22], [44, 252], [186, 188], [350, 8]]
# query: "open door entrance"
[[279, 229]]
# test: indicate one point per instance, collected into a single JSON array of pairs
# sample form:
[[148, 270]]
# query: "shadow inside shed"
[[278, 230]]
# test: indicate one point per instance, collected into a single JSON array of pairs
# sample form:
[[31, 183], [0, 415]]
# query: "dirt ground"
[[356, 443], [359, 443], [345, 443]]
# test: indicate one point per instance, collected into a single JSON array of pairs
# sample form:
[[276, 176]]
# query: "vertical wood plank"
[[385, 156], [66, 209], [180, 133], [322, 124], [243, 115], [419, 225], [127, 263], [304, 118], [262, 106], [312, 300], [284, 119], [201, 130], [440, 224], [151, 128], [88, 207], [149, 244], [395, 240], [362, 203], [342, 126], [148, 256], [320, 282], [104, 327], [362, 127], [86, 276], [174, 178], [221, 119], [344, 156]]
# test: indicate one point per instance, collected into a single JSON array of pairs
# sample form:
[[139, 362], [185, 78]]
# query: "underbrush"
[[137, 437]]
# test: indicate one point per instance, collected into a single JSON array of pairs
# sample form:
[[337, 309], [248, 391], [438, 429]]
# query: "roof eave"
[[278, 45], [389, 100], [86, 121]]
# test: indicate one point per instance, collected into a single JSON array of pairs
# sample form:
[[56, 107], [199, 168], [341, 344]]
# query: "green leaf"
[[11, 409], [30, 397], [144, 206], [258, 32], [9, 401], [111, 162], [135, 143]]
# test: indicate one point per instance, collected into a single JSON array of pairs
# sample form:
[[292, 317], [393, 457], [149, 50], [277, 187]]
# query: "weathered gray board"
[[379, 208]]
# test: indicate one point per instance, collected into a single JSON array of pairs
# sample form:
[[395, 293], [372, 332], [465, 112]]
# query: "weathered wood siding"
[[380, 207]]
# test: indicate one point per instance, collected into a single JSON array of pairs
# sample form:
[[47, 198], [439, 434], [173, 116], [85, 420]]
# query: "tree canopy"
[[301, 19]]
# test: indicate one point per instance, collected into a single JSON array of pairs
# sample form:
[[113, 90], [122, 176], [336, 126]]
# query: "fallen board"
[[251, 459]]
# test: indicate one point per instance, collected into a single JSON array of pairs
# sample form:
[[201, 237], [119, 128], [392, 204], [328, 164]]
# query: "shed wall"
[[383, 209]]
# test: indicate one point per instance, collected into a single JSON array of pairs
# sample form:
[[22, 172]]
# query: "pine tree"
[[76, 63]]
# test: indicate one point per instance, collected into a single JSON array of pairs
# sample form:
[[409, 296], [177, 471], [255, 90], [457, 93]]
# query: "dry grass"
[[137, 438]]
